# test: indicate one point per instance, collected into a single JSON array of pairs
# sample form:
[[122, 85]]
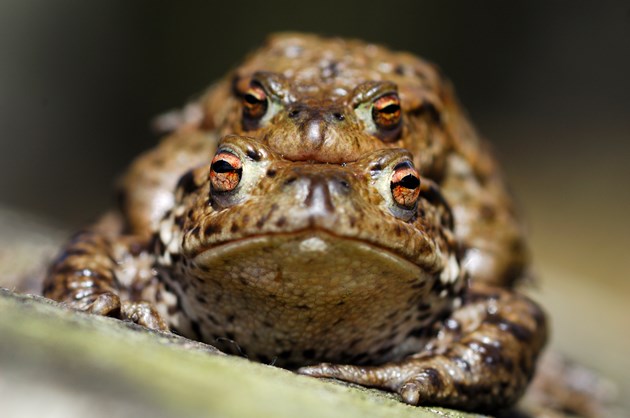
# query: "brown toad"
[[311, 236]]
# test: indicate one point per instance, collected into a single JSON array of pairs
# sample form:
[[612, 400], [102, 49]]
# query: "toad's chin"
[[280, 293], [310, 260]]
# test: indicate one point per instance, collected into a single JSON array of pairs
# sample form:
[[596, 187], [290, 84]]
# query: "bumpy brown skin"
[[327, 261], [322, 78], [474, 348]]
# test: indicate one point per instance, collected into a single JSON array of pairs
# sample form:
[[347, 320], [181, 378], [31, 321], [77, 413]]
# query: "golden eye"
[[386, 111], [255, 102], [225, 172], [405, 185]]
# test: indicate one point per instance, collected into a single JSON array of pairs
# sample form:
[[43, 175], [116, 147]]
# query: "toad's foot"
[[484, 360], [109, 304], [84, 277], [430, 381], [415, 384]]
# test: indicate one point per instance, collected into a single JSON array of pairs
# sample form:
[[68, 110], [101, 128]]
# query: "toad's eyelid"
[[227, 150], [387, 100], [372, 90], [274, 85], [404, 164]]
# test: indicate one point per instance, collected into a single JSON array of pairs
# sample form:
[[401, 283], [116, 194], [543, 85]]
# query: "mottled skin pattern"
[[322, 79], [308, 256], [311, 237]]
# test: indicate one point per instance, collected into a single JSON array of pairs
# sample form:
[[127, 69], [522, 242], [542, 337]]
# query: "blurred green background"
[[547, 82]]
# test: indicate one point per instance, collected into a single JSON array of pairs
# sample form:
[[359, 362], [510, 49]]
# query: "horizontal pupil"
[[222, 166], [251, 99], [390, 109], [409, 182]]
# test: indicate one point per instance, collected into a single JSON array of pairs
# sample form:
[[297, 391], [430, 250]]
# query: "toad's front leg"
[[483, 358], [85, 277]]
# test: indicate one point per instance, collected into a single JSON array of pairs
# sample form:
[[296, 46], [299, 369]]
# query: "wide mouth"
[[306, 243], [312, 256]]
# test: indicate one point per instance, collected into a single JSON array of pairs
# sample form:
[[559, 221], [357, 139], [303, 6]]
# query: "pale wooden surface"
[[59, 363]]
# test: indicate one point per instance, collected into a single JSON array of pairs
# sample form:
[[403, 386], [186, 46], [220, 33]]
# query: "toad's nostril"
[[338, 116]]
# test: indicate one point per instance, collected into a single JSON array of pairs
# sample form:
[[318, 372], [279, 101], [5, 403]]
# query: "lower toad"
[[347, 270]]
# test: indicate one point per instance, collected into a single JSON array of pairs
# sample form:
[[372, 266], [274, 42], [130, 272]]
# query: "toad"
[[327, 208]]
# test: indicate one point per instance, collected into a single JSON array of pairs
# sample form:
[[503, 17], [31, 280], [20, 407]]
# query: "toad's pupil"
[[409, 182], [390, 109], [222, 166], [251, 99]]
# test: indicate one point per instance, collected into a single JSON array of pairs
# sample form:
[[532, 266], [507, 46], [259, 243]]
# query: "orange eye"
[[405, 185], [225, 172], [386, 111], [255, 102]]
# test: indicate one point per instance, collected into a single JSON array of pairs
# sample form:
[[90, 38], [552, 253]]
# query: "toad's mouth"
[[311, 231], [310, 258], [311, 242]]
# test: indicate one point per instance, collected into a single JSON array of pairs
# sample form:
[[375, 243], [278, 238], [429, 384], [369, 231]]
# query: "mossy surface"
[[57, 361]]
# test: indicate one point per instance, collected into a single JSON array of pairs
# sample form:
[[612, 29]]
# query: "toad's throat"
[[294, 289]]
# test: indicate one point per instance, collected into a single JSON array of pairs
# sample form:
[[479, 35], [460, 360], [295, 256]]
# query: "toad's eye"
[[405, 185], [255, 102], [386, 112], [225, 172]]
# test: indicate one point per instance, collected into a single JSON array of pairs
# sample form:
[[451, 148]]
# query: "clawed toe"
[[106, 304], [318, 370], [410, 393], [337, 371], [145, 314]]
